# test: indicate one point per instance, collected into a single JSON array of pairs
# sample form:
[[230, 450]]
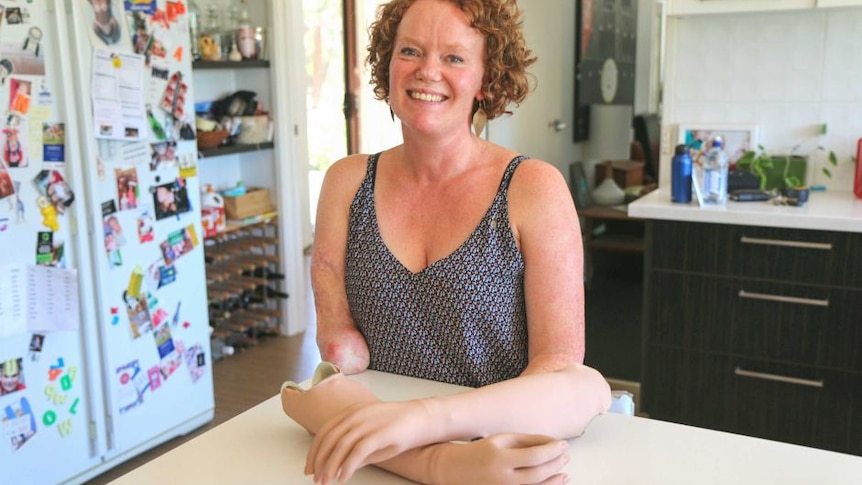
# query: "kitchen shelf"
[[230, 64], [232, 149]]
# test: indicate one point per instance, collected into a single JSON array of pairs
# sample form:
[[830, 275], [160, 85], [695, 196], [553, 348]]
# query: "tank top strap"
[[510, 171], [371, 171]]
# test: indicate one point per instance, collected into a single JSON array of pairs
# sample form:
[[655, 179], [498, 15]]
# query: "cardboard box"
[[254, 202], [626, 173]]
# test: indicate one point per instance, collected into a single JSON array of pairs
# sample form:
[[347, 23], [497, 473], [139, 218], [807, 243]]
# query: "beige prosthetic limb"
[[558, 404], [503, 459]]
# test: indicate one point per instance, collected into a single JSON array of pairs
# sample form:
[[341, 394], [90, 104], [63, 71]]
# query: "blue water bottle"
[[680, 177]]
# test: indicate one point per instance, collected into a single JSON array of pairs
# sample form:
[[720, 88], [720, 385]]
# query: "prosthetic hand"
[[378, 431], [330, 394], [502, 459]]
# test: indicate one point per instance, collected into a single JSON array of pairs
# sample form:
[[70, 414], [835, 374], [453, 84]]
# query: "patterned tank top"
[[462, 320]]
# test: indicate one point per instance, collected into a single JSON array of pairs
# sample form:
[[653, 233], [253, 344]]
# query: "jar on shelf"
[[212, 37]]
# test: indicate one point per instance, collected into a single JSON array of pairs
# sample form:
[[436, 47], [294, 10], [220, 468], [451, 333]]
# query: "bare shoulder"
[[343, 178], [536, 180], [348, 168]]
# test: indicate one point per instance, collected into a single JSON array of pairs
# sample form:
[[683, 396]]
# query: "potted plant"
[[776, 171]]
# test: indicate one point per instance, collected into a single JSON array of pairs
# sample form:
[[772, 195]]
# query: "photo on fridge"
[[127, 187], [54, 142], [106, 29], [7, 187], [163, 154], [18, 423], [178, 244], [14, 154], [138, 311], [19, 101], [171, 199], [12, 376], [52, 185]]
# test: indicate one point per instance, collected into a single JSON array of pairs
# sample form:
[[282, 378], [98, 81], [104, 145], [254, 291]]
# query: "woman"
[[451, 258]]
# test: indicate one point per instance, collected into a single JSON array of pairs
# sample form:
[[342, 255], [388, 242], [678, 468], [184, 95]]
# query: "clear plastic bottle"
[[715, 168]]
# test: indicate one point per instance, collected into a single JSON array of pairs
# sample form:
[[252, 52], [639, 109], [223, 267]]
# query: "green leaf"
[[826, 172], [746, 158], [833, 159], [793, 181]]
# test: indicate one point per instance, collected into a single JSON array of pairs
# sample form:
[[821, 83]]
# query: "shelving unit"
[[242, 270], [234, 149], [250, 64], [271, 165]]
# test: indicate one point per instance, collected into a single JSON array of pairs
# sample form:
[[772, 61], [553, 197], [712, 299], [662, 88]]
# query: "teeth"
[[427, 97]]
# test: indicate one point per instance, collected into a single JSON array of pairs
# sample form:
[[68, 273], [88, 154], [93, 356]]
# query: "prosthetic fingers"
[[500, 459]]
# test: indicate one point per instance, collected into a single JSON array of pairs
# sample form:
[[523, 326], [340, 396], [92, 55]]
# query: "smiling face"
[[436, 69], [10, 377]]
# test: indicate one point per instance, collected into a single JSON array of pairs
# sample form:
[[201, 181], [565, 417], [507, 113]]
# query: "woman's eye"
[[409, 51], [456, 59]]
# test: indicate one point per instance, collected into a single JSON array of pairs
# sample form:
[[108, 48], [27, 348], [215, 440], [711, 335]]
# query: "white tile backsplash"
[[787, 72]]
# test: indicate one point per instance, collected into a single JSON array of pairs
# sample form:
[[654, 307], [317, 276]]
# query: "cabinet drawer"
[[790, 403], [817, 257], [810, 325]]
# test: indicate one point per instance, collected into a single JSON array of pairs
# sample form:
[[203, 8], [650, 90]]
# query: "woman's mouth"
[[433, 98]]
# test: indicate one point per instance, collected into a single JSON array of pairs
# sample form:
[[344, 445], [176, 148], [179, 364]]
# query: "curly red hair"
[[507, 57]]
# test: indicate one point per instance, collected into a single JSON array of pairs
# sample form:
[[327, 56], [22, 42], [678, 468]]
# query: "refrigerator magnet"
[[19, 423], [54, 143], [12, 376], [37, 342], [7, 186], [54, 187], [14, 155], [138, 311], [145, 223], [170, 199], [49, 214], [106, 29], [127, 188]]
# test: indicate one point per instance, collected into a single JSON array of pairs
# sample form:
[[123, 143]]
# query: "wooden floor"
[[241, 381]]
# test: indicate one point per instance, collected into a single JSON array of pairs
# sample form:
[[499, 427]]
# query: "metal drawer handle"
[[785, 242], [782, 298], [779, 378]]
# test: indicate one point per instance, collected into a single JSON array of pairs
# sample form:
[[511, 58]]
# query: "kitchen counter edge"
[[825, 211]]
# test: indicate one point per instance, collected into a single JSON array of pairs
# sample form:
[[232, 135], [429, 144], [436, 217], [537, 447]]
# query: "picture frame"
[[580, 186], [738, 139]]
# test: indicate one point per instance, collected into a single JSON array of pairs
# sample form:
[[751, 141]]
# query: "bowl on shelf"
[[211, 139]]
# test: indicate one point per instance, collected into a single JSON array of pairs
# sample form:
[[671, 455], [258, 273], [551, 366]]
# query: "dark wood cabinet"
[[779, 254], [755, 331]]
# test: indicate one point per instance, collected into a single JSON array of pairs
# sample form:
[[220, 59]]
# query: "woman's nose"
[[429, 69]]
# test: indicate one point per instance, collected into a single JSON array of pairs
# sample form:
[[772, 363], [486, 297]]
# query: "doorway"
[[340, 103]]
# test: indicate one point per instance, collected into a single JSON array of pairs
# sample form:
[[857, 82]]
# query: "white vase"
[[608, 193]]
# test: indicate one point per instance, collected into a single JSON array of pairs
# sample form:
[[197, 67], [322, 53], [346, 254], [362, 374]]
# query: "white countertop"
[[263, 446], [829, 210]]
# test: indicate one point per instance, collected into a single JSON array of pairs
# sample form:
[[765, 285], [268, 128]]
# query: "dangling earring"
[[480, 118]]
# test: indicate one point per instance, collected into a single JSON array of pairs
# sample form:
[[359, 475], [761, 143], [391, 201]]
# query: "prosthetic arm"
[[506, 458]]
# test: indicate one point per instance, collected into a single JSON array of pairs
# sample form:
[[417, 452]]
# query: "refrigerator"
[[104, 328]]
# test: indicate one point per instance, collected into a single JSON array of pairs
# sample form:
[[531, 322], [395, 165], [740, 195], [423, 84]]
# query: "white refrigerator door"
[[50, 402], [133, 71]]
